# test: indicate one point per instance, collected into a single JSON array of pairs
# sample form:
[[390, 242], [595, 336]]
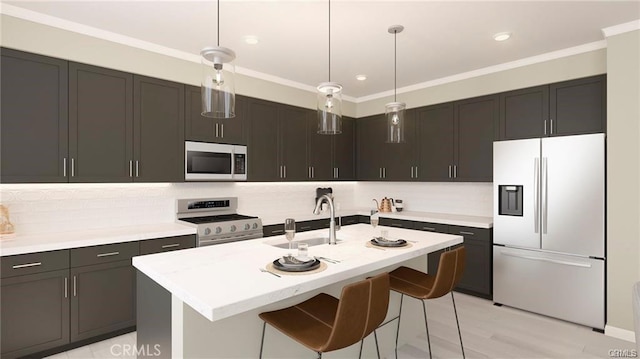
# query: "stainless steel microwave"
[[214, 162]]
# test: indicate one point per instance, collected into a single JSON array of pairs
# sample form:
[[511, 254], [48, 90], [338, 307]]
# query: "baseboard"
[[628, 335]]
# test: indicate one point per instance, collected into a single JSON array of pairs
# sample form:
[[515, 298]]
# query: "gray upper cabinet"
[[215, 130], [100, 124], [370, 136], [34, 111], [262, 141], [435, 146], [158, 131], [344, 151], [523, 113], [476, 127], [399, 158], [565, 108], [293, 143], [578, 106]]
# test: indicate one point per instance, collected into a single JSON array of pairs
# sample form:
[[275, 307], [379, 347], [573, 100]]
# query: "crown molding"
[[592, 46], [621, 28]]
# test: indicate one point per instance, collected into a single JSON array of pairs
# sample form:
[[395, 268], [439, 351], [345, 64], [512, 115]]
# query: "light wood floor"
[[487, 332]]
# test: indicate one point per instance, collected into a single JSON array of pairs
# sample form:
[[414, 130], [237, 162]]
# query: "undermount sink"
[[310, 241]]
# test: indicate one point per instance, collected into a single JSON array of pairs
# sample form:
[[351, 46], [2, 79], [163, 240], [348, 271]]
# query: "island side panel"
[[153, 319]]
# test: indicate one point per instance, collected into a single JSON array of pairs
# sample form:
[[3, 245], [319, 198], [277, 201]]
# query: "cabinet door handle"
[[171, 245], [384, 172], [551, 126], [285, 171], [137, 168], [467, 233], [108, 254], [411, 171], [380, 174], [222, 130], [429, 229], [309, 172], [305, 227], [216, 130], [337, 172], [130, 168], [449, 171], [545, 127], [73, 167], [416, 171], [27, 265], [455, 171], [66, 287], [64, 167], [75, 293]]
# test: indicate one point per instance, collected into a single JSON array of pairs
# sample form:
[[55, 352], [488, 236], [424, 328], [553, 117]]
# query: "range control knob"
[[255, 226], [232, 228], [207, 231], [247, 226], [218, 230]]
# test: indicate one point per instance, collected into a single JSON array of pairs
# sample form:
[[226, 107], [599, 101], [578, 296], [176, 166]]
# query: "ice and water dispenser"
[[510, 200]]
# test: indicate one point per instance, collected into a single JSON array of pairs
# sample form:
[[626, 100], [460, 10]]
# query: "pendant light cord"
[[329, 40], [395, 65], [218, 23]]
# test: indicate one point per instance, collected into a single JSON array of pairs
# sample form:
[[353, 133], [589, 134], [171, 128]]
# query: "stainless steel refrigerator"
[[549, 227]]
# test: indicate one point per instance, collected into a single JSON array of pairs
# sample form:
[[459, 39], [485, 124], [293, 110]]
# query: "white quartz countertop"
[[21, 244], [224, 280], [442, 218]]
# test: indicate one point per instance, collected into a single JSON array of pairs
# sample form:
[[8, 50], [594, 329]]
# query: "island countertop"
[[224, 280]]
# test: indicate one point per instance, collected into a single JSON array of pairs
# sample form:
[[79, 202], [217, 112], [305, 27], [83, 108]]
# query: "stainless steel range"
[[217, 221]]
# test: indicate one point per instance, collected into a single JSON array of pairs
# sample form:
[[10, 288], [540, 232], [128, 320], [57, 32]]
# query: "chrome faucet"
[[332, 221]]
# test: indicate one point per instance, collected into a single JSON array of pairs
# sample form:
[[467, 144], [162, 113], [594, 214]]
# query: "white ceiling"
[[441, 38]]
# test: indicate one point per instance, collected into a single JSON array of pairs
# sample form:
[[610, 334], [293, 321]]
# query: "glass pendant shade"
[[395, 113], [218, 82], [329, 108]]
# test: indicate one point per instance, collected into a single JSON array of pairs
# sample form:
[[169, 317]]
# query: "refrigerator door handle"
[[541, 259], [545, 191], [536, 188]]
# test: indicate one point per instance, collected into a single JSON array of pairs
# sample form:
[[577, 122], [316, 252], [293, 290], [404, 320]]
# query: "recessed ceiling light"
[[502, 36], [361, 77], [251, 40]]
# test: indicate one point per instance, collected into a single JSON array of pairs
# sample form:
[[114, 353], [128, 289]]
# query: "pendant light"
[[329, 100], [394, 111], [218, 82]]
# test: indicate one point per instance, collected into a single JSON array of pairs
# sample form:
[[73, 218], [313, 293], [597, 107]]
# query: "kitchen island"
[[204, 302]]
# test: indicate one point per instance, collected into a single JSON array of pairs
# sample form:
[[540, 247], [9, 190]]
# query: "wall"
[[28, 36], [474, 199], [623, 176], [581, 65]]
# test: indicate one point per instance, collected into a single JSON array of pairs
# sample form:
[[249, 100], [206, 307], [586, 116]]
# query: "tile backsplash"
[[42, 208]]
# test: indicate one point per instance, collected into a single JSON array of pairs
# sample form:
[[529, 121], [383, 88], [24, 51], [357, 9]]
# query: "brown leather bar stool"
[[324, 323], [419, 285]]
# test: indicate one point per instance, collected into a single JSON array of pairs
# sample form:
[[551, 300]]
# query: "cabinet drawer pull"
[[429, 228], [171, 245], [108, 254], [397, 225], [278, 231], [467, 233], [27, 265]]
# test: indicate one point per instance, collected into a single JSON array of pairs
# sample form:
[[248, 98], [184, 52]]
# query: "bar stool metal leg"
[[361, 342], [426, 325], [398, 330], [455, 311], [375, 336], [264, 326]]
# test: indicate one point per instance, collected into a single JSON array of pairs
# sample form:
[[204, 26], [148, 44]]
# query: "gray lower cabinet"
[[102, 289], [477, 278], [34, 308]]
